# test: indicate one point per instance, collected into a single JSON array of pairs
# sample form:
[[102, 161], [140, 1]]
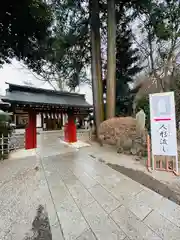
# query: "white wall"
[[38, 120]]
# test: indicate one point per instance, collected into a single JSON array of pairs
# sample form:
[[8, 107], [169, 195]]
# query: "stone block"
[[162, 226], [103, 226], [132, 225], [104, 198]]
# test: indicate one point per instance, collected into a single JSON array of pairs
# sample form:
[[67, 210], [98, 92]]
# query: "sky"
[[15, 73]]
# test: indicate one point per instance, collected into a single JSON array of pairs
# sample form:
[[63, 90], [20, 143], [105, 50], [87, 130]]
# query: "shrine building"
[[54, 108]]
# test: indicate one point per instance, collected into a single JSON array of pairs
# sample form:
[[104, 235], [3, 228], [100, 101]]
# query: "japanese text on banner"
[[164, 137]]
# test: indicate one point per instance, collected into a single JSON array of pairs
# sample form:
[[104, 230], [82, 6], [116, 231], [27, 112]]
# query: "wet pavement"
[[64, 194]]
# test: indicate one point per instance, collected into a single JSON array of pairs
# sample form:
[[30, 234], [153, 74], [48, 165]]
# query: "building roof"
[[5, 104], [37, 96]]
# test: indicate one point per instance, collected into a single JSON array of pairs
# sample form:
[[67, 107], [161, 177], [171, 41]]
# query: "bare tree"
[[159, 42]]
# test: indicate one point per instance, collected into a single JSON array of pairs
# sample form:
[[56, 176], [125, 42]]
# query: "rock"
[[120, 150], [122, 133], [125, 143], [133, 151]]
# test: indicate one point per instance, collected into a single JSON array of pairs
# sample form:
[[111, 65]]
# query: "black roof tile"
[[29, 95]]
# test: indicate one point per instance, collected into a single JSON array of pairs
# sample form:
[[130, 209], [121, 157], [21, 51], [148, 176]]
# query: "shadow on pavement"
[[41, 229]]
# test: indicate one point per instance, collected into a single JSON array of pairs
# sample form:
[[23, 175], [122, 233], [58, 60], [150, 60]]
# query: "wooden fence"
[[10, 142]]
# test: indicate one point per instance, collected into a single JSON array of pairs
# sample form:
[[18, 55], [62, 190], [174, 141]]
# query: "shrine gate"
[[35, 101]]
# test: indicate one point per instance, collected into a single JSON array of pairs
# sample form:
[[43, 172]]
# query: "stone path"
[[63, 194], [93, 201]]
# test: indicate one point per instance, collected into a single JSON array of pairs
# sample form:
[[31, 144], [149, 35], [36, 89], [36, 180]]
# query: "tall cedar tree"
[[111, 60], [126, 67], [70, 55]]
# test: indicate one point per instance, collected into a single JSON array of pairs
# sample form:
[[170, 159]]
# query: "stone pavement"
[[78, 198], [93, 201]]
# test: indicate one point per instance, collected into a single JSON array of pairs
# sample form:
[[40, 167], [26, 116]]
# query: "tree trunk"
[[111, 61], [96, 70]]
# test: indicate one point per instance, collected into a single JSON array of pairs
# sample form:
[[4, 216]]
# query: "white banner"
[[163, 124]]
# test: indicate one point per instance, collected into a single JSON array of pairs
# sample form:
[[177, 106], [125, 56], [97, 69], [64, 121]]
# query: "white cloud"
[[15, 73]]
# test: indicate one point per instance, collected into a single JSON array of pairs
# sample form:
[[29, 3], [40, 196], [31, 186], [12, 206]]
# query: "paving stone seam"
[[144, 217], [42, 165], [108, 189], [82, 182], [98, 204], [111, 194], [156, 209], [79, 183], [78, 207], [143, 220], [90, 188], [139, 220], [143, 189], [147, 215], [85, 232], [98, 183], [118, 206], [150, 227], [163, 217], [91, 193], [114, 210]]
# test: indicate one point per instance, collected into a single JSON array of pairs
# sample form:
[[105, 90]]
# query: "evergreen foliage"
[[24, 27], [127, 67]]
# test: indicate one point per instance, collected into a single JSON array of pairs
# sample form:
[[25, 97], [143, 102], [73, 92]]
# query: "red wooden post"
[[30, 134], [71, 128]]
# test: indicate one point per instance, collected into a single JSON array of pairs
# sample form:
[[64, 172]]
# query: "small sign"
[[163, 124]]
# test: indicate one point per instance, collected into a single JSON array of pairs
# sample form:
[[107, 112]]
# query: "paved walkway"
[[83, 198]]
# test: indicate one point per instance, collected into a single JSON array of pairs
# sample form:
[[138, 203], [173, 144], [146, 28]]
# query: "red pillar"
[[30, 134], [70, 129]]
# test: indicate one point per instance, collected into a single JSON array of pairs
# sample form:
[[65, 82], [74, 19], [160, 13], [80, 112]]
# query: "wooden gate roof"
[[19, 94]]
